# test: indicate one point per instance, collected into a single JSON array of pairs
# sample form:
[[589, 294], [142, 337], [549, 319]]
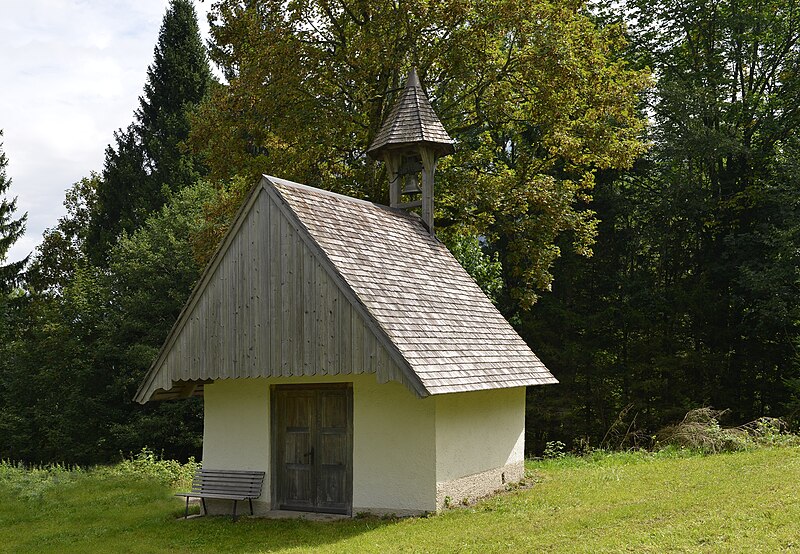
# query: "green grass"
[[741, 502]]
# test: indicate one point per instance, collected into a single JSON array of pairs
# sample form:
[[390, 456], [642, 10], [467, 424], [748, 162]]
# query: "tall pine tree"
[[148, 158], [176, 82], [10, 228]]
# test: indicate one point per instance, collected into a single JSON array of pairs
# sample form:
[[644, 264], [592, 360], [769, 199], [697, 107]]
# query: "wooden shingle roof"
[[411, 121], [449, 333]]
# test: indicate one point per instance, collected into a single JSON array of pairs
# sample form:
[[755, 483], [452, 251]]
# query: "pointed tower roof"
[[412, 121]]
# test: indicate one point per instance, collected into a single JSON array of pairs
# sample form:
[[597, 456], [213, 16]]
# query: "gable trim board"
[[354, 243]]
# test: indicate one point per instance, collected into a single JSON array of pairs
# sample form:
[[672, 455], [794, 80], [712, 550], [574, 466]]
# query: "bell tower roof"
[[411, 123]]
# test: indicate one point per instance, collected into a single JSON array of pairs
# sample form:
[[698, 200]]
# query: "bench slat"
[[247, 484], [224, 480], [229, 479], [231, 475], [227, 485], [212, 490], [232, 481], [231, 471], [209, 495]]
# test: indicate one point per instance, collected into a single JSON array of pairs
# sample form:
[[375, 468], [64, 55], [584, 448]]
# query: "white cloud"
[[72, 72]]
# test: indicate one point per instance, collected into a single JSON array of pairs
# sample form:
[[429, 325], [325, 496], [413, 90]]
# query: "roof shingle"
[[436, 316]]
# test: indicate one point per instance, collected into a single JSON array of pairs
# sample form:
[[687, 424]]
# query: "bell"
[[412, 184], [410, 168], [410, 164]]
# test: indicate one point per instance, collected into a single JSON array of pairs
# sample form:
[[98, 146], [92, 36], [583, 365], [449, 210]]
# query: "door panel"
[[313, 447], [334, 449], [298, 479]]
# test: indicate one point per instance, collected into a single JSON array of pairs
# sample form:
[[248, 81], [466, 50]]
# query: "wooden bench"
[[226, 484]]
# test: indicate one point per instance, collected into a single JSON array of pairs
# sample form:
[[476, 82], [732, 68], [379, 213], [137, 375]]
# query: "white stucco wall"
[[394, 463], [236, 433], [480, 439], [236, 425], [394, 441]]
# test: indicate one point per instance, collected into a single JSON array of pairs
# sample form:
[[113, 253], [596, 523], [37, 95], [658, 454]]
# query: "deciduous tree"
[[534, 92], [692, 296]]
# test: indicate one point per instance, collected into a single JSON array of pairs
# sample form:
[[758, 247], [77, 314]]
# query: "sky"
[[71, 73]]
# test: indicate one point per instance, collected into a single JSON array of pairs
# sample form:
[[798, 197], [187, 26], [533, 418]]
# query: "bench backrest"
[[228, 481]]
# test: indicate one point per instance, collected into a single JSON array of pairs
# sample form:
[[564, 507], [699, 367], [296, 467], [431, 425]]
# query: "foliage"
[[485, 268], [108, 281], [606, 503], [533, 91], [691, 296], [74, 356], [120, 194], [31, 483], [53, 387], [700, 431], [554, 450], [148, 160], [153, 271], [10, 229], [63, 247], [176, 82], [146, 464], [217, 217]]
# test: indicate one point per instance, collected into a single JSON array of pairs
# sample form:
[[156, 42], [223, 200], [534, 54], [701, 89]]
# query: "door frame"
[[275, 433]]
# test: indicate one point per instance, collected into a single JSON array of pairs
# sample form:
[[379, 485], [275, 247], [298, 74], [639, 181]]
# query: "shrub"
[[146, 464], [31, 482], [771, 431], [700, 430], [554, 450]]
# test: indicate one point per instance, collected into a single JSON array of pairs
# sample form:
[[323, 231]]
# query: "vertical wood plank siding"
[[272, 310]]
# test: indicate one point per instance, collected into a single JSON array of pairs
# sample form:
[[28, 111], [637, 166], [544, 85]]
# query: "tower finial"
[[412, 80]]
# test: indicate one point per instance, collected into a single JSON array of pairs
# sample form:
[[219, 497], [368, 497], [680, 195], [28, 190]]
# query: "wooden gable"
[[270, 304]]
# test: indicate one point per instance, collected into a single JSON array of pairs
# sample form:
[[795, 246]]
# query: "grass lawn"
[[742, 502]]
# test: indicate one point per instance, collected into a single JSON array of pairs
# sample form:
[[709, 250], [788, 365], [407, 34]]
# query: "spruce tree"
[[124, 181], [148, 157], [10, 229], [176, 82]]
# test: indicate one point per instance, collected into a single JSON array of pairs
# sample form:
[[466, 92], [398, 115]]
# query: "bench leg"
[[234, 509], [186, 513], [250, 500], [205, 510]]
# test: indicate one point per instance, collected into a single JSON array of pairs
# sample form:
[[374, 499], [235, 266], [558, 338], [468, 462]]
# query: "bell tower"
[[410, 142]]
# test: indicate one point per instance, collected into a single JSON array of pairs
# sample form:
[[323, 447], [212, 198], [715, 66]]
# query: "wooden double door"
[[312, 429]]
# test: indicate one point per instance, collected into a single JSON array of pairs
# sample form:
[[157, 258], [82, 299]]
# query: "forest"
[[625, 188]]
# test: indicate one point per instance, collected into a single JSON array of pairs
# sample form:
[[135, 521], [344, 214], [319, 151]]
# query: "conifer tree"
[[176, 82], [148, 157], [691, 296], [124, 181], [10, 228]]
